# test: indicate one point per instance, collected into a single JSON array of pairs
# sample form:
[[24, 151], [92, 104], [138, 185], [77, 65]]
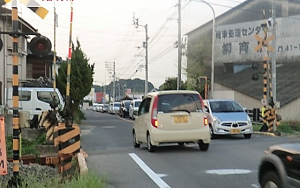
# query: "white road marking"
[[149, 172], [255, 186], [228, 171], [162, 175], [108, 127]]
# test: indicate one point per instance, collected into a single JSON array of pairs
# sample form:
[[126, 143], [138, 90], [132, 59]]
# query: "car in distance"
[[124, 109], [98, 107], [105, 108], [227, 117], [114, 107], [174, 116], [134, 107], [280, 166]]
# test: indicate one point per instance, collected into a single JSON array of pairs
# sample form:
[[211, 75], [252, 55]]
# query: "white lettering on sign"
[[3, 159]]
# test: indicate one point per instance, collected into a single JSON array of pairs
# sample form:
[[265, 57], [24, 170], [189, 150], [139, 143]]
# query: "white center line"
[[149, 172]]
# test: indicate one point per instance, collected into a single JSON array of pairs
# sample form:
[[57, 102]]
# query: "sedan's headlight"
[[217, 120], [249, 120]]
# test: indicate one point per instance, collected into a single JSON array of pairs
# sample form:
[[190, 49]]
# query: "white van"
[[35, 99]]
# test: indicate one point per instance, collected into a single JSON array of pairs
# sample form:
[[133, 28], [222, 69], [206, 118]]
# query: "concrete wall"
[[287, 112]]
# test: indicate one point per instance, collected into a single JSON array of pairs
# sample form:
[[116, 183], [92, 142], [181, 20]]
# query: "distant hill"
[[136, 85]]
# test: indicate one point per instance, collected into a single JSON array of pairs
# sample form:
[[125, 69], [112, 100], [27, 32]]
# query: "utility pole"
[[274, 53], [145, 45], [112, 70], [146, 65], [114, 86], [274, 65], [179, 46]]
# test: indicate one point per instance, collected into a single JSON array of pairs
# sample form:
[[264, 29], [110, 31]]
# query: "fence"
[[255, 115]]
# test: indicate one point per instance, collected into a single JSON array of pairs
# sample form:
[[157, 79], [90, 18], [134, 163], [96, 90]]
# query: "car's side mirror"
[[206, 109]]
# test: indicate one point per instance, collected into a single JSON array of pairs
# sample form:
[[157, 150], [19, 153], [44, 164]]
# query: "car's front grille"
[[235, 124]]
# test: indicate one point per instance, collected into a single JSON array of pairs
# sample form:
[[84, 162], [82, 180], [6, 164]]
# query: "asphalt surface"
[[230, 162]]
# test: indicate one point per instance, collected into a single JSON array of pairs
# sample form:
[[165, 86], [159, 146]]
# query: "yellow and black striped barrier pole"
[[15, 180], [67, 135]]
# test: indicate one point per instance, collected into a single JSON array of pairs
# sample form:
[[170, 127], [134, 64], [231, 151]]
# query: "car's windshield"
[[106, 105], [225, 106], [137, 103], [179, 102], [117, 105]]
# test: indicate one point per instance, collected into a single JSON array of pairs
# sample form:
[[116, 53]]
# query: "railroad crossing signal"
[[263, 42], [32, 5]]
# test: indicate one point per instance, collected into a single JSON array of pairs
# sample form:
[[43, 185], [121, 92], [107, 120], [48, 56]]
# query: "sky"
[[107, 34]]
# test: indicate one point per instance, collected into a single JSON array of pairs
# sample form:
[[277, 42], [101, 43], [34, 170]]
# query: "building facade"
[[235, 40]]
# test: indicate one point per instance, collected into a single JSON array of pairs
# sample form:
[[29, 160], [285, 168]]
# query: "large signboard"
[[236, 42]]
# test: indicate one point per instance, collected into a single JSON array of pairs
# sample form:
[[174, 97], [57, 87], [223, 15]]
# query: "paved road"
[[230, 162]]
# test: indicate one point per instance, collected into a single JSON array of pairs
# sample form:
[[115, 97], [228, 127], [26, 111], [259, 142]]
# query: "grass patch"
[[288, 127], [27, 147], [87, 180]]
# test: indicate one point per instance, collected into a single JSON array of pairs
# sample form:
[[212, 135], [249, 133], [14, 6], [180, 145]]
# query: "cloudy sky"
[[106, 32]]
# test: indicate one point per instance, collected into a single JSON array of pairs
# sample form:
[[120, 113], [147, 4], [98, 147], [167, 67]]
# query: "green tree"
[[199, 59], [171, 84], [81, 79]]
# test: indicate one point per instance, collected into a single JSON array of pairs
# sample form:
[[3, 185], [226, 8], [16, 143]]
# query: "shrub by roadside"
[[286, 127]]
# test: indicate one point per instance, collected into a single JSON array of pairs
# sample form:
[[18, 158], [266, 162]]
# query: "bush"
[[285, 128]]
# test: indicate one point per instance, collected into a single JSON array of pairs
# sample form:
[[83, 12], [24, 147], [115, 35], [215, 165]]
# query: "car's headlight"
[[249, 120], [217, 120]]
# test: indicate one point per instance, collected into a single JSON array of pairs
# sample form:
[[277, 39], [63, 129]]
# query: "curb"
[[265, 133], [81, 161]]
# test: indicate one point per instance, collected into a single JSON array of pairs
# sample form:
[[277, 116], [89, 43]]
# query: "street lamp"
[[212, 48]]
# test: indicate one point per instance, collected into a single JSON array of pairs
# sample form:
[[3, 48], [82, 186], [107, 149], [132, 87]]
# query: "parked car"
[[114, 107], [95, 107], [124, 110], [227, 117], [280, 166], [104, 108], [174, 116], [134, 107], [98, 108], [35, 99]]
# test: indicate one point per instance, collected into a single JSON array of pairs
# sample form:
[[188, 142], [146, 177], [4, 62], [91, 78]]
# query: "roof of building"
[[287, 79]]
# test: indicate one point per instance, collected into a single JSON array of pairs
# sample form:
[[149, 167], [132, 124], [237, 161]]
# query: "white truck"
[[35, 99]]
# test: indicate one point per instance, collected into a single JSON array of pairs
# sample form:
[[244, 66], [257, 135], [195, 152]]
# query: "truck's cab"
[[35, 99]]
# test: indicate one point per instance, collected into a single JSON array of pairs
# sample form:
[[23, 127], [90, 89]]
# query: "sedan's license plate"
[[181, 119], [235, 131]]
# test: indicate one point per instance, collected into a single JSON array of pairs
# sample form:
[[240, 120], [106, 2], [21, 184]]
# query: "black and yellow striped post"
[[267, 86], [67, 135], [15, 180], [35, 7], [67, 140]]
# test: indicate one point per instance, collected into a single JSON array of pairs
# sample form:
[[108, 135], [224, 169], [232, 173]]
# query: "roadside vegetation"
[[285, 127], [27, 146]]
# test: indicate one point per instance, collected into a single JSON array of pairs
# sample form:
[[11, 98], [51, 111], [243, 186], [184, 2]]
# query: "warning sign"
[[3, 159]]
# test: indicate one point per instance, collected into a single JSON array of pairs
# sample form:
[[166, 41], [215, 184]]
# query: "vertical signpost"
[[3, 159], [269, 105]]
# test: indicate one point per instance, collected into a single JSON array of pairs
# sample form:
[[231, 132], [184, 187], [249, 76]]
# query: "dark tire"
[[150, 147], [135, 143], [203, 146], [181, 143], [270, 180], [212, 134], [247, 136]]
